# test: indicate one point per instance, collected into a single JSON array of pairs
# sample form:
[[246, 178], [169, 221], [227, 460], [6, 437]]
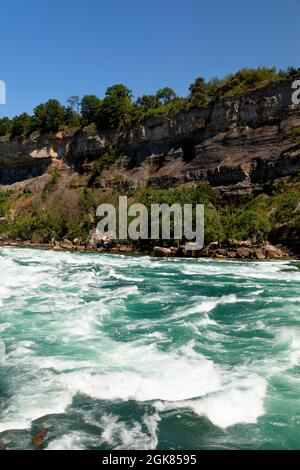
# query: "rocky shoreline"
[[232, 249]]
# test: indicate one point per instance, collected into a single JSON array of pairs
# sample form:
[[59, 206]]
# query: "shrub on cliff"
[[21, 125], [244, 80], [5, 126]]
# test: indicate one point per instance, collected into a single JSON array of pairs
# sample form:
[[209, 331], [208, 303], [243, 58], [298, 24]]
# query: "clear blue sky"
[[58, 48]]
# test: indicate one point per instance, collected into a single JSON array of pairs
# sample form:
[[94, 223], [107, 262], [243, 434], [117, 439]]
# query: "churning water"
[[123, 352]]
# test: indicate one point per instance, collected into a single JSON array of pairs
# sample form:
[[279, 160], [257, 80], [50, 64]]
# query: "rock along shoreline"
[[230, 250]]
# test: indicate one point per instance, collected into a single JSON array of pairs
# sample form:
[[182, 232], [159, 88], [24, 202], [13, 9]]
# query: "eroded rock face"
[[22, 159], [238, 144]]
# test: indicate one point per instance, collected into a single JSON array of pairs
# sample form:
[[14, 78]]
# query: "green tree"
[[148, 102], [166, 95], [90, 107], [116, 108], [49, 116], [198, 92], [5, 126], [74, 103], [72, 119], [21, 125], [118, 91]]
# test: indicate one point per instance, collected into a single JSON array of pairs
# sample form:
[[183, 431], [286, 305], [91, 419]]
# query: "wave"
[[212, 339]]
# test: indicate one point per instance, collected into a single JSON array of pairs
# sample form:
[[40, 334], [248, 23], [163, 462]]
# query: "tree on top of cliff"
[[72, 119], [74, 103], [148, 102], [166, 95], [90, 106], [5, 126], [118, 91], [21, 125], [198, 92], [49, 116], [116, 108]]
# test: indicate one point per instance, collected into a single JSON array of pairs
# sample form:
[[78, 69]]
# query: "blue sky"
[[59, 48]]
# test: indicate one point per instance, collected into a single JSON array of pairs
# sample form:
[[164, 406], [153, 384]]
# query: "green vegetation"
[[5, 203], [90, 106], [107, 159], [5, 126], [48, 117], [21, 125], [59, 212], [296, 134], [118, 109]]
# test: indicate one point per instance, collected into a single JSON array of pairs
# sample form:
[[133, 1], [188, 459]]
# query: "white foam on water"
[[113, 274], [23, 349], [4, 326], [291, 338], [123, 436], [158, 335], [204, 305], [123, 292], [29, 404], [67, 299], [238, 269], [206, 321], [143, 373], [4, 293], [241, 403], [70, 441]]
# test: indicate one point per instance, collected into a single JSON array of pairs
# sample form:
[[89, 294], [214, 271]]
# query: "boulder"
[[206, 251], [259, 254], [240, 243], [95, 240], [222, 252], [3, 446], [244, 252], [218, 256], [126, 249], [66, 245], [39, 439], [272, 251], [160, 251]]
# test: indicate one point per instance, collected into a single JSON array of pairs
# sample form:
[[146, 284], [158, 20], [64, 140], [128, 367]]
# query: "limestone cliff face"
[[238, 144]]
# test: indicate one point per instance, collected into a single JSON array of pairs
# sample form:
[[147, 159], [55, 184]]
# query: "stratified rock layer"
[[239, 145]]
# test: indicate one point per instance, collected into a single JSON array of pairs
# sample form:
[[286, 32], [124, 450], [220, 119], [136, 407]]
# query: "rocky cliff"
[[239, 145]]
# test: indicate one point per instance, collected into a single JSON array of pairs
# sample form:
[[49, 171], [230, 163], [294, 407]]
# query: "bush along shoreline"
[[261, 227]]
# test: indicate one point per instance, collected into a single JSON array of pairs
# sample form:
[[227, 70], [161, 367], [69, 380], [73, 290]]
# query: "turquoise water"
[[119, 352]]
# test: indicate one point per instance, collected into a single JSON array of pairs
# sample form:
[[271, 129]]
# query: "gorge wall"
[[238, 144]]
